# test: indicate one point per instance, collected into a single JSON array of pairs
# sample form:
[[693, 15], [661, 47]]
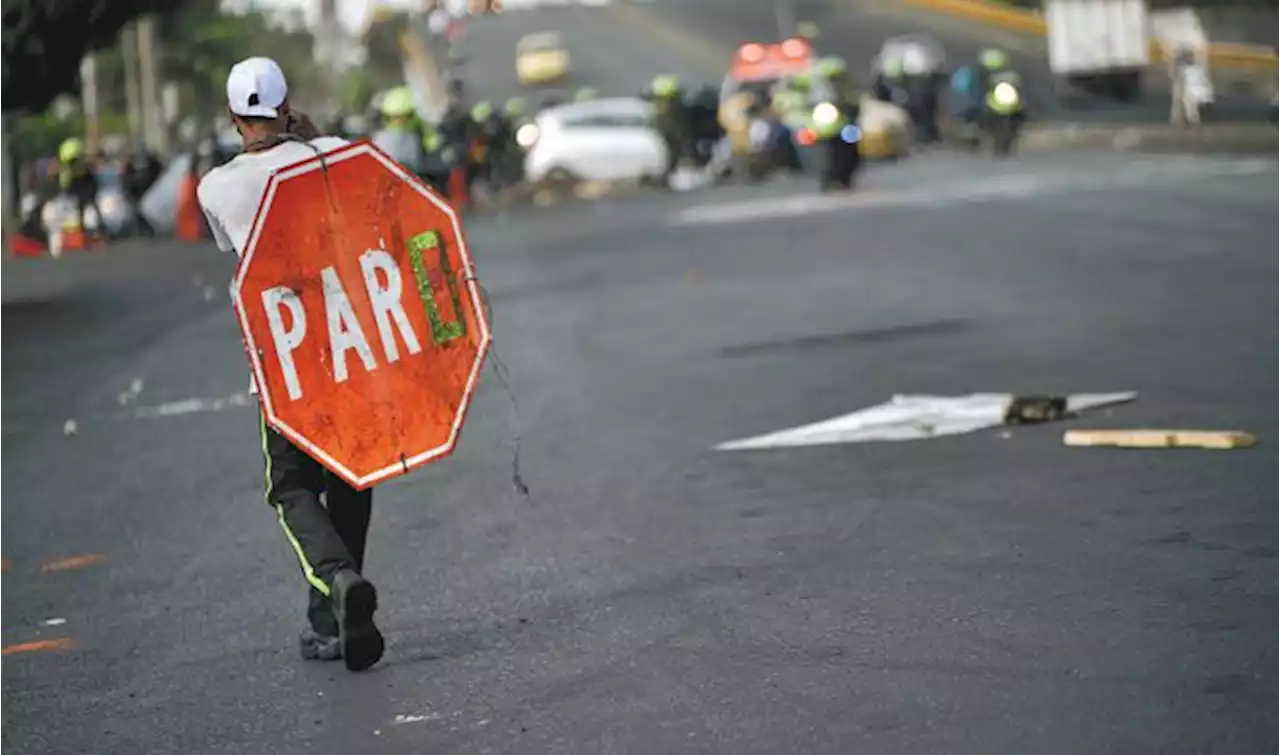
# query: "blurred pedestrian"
[[76, 177], [672, 120], [1191, 88], [399, 136], [328, 537], [141, 171]]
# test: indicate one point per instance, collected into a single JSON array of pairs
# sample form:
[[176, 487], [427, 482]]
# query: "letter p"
[[286, 339]]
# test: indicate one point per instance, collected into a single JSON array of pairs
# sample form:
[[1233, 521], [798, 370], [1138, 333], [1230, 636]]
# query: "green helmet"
[[831, 67], [802, 82], [827, 120], [665, 86], [993, 59], [514, 107], [70, 150], [398, 103], [584, 94], [481, 111]]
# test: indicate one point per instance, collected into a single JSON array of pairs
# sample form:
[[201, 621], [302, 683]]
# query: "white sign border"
[[311, 165]]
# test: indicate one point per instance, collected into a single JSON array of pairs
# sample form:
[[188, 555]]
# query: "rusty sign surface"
[[361, 314]]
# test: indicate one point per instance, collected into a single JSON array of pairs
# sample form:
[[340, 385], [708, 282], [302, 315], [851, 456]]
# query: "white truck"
[[1099, 46]]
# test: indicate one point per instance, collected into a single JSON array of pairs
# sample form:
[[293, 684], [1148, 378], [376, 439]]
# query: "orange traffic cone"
[[74, 239], [458, 195], [190, 220]]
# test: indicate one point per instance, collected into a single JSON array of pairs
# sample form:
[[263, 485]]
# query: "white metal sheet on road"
[[1008, 187], [911, 418]]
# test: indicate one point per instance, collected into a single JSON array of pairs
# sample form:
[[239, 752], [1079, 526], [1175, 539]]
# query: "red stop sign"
[[361, 314]]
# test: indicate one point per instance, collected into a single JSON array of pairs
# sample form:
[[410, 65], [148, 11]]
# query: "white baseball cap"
[[256, 88]]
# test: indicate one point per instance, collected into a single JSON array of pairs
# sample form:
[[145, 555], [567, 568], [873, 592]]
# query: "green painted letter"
[[441, 332]]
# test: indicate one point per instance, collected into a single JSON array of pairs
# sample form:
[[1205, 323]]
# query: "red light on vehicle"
[[805, 137], [752, 53], [795, 48]]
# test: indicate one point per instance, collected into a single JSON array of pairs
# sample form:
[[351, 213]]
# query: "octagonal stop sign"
[[360, 314]]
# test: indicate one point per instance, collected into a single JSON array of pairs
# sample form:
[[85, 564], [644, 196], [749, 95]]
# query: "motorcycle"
[[839, 140]]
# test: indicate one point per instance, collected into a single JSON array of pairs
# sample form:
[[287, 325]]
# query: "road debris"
[[192, 406], [132, 393], [918, 417], [1218, 440]]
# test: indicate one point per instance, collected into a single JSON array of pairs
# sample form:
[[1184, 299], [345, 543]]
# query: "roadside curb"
[[1225, 138], [1222, 55], [990, 14]]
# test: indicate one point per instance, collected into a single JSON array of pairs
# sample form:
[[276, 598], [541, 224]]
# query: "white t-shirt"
[[229, 194]]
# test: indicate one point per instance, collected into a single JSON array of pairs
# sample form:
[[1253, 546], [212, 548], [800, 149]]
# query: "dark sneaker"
[[313, 646], [354, 601]]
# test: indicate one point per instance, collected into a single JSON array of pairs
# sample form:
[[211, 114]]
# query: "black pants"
[[83, 203], [327, 536], [144, 226]]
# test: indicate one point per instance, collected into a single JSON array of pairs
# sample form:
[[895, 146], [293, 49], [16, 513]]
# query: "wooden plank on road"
[[1207, 439]]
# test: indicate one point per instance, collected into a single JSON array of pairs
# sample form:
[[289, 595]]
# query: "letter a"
[[344, 328]]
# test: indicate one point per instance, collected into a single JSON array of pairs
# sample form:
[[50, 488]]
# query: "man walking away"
[[328, 538]]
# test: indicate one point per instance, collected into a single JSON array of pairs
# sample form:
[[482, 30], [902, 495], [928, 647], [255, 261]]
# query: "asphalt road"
[[619, 47], [606, 54], [979, 594]]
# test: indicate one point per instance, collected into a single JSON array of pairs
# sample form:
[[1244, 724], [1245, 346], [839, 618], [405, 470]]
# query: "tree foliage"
[[382, 41], [45, 40], [202, 43]]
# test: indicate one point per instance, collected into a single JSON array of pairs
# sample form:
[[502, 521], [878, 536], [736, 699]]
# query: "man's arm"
[[215, 226], [219, 233]]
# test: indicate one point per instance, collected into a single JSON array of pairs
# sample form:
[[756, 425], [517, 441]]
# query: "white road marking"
[[177, 408], [55, 622], [910, 418], [1008, 187], [192, 406], [413, 719]]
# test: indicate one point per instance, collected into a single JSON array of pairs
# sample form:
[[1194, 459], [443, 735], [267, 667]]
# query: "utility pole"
[[133, 105], [12, 186], [153, 129], [89, 101], [785, 15]]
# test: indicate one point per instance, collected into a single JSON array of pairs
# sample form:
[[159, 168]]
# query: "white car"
[[610, 139], [915, 54]]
